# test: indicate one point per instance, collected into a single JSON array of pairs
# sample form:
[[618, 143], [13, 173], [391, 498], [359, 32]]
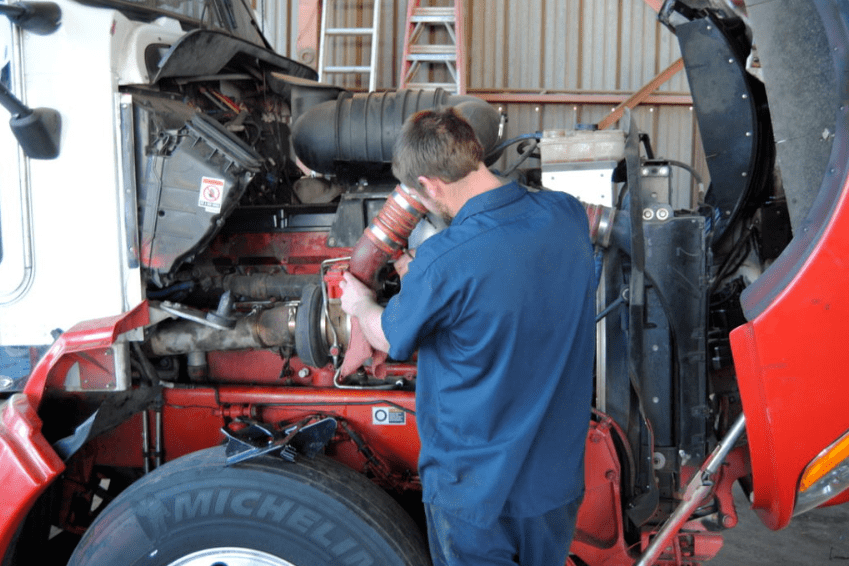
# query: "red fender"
[[28, 464]]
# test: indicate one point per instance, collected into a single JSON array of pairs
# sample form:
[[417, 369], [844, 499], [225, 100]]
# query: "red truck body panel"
[[27, 464], [790, 364]]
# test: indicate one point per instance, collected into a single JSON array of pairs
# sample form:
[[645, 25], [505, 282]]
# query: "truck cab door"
[[15, 255]]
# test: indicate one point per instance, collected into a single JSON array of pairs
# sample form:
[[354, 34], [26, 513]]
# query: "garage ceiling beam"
[[525, 97]]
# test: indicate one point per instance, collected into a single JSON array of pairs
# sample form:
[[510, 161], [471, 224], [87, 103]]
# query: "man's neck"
[[475, 183]]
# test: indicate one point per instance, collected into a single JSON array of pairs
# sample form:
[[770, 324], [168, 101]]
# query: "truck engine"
[[231, 415]]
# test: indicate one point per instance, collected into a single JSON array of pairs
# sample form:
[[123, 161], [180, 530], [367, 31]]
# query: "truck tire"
[[194, 511]]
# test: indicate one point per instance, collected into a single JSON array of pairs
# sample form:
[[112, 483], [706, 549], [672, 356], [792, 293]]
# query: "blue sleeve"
[[415, 312]]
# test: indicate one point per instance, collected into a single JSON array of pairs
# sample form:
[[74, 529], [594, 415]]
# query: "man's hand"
[[358, 300], [403, 262], [356, 296]]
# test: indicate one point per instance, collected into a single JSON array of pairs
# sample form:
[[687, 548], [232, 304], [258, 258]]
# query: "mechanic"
[[500, 306]]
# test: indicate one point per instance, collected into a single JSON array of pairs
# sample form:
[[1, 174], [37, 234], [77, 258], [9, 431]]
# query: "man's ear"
[[432, 187]]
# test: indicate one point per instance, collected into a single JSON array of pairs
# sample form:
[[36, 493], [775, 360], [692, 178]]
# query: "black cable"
[[522, 158], [502, 146]]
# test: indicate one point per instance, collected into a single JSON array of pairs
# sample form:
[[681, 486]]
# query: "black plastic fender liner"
[[804, 51], [206, 52], [361, 129], [799, 67], [304, 513], [730, 107]]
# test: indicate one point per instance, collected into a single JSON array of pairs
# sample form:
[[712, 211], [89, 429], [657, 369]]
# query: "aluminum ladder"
[[422, 58], [372, 32]]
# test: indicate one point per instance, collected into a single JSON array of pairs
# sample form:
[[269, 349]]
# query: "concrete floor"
[[819, 537]]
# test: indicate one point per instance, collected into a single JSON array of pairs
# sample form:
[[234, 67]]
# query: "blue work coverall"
[[501, 308]]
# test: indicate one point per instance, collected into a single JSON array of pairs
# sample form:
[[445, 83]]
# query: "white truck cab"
[[68, 231]]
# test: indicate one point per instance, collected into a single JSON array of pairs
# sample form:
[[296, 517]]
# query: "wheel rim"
[[230, 556]]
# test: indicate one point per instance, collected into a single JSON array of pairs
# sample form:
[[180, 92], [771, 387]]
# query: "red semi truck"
[[178, 203]]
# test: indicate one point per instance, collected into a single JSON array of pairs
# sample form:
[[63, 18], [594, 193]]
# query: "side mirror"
[[42, 18], [38, 130]]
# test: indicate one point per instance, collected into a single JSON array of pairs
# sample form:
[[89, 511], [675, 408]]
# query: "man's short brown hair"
[[436, 144]]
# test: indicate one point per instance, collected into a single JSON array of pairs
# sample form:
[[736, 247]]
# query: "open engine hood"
[[207, 52]]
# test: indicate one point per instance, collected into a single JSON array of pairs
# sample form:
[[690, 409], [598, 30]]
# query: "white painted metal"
[[15, 233], [591, 182], [82, 218]]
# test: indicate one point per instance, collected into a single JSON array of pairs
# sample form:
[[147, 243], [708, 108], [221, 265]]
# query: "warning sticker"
[[211, 194], [388, 416]]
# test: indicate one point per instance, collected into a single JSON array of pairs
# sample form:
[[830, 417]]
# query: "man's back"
[[501, 308]]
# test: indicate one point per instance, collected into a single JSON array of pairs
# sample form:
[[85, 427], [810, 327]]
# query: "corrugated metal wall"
[[562, 62]]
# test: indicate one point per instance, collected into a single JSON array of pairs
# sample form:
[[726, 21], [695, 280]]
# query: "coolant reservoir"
[[581, 163]]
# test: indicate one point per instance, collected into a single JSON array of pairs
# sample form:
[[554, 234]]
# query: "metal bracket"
[[305, 439]]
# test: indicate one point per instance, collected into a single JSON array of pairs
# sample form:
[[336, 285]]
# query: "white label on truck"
[[211, 194], [388, 416]]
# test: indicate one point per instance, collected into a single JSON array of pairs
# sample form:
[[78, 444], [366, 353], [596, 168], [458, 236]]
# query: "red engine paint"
[[297, 252], [600, 532], [691, 546]]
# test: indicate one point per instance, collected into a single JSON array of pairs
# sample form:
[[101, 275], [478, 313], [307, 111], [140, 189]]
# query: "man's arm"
[[358, 301]]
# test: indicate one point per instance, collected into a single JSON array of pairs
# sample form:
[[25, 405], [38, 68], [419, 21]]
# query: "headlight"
[[825, 477]]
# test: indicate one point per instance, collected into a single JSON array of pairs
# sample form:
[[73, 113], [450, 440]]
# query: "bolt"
[[304, 373], [728, 521], [648, 214], [662, 214]]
